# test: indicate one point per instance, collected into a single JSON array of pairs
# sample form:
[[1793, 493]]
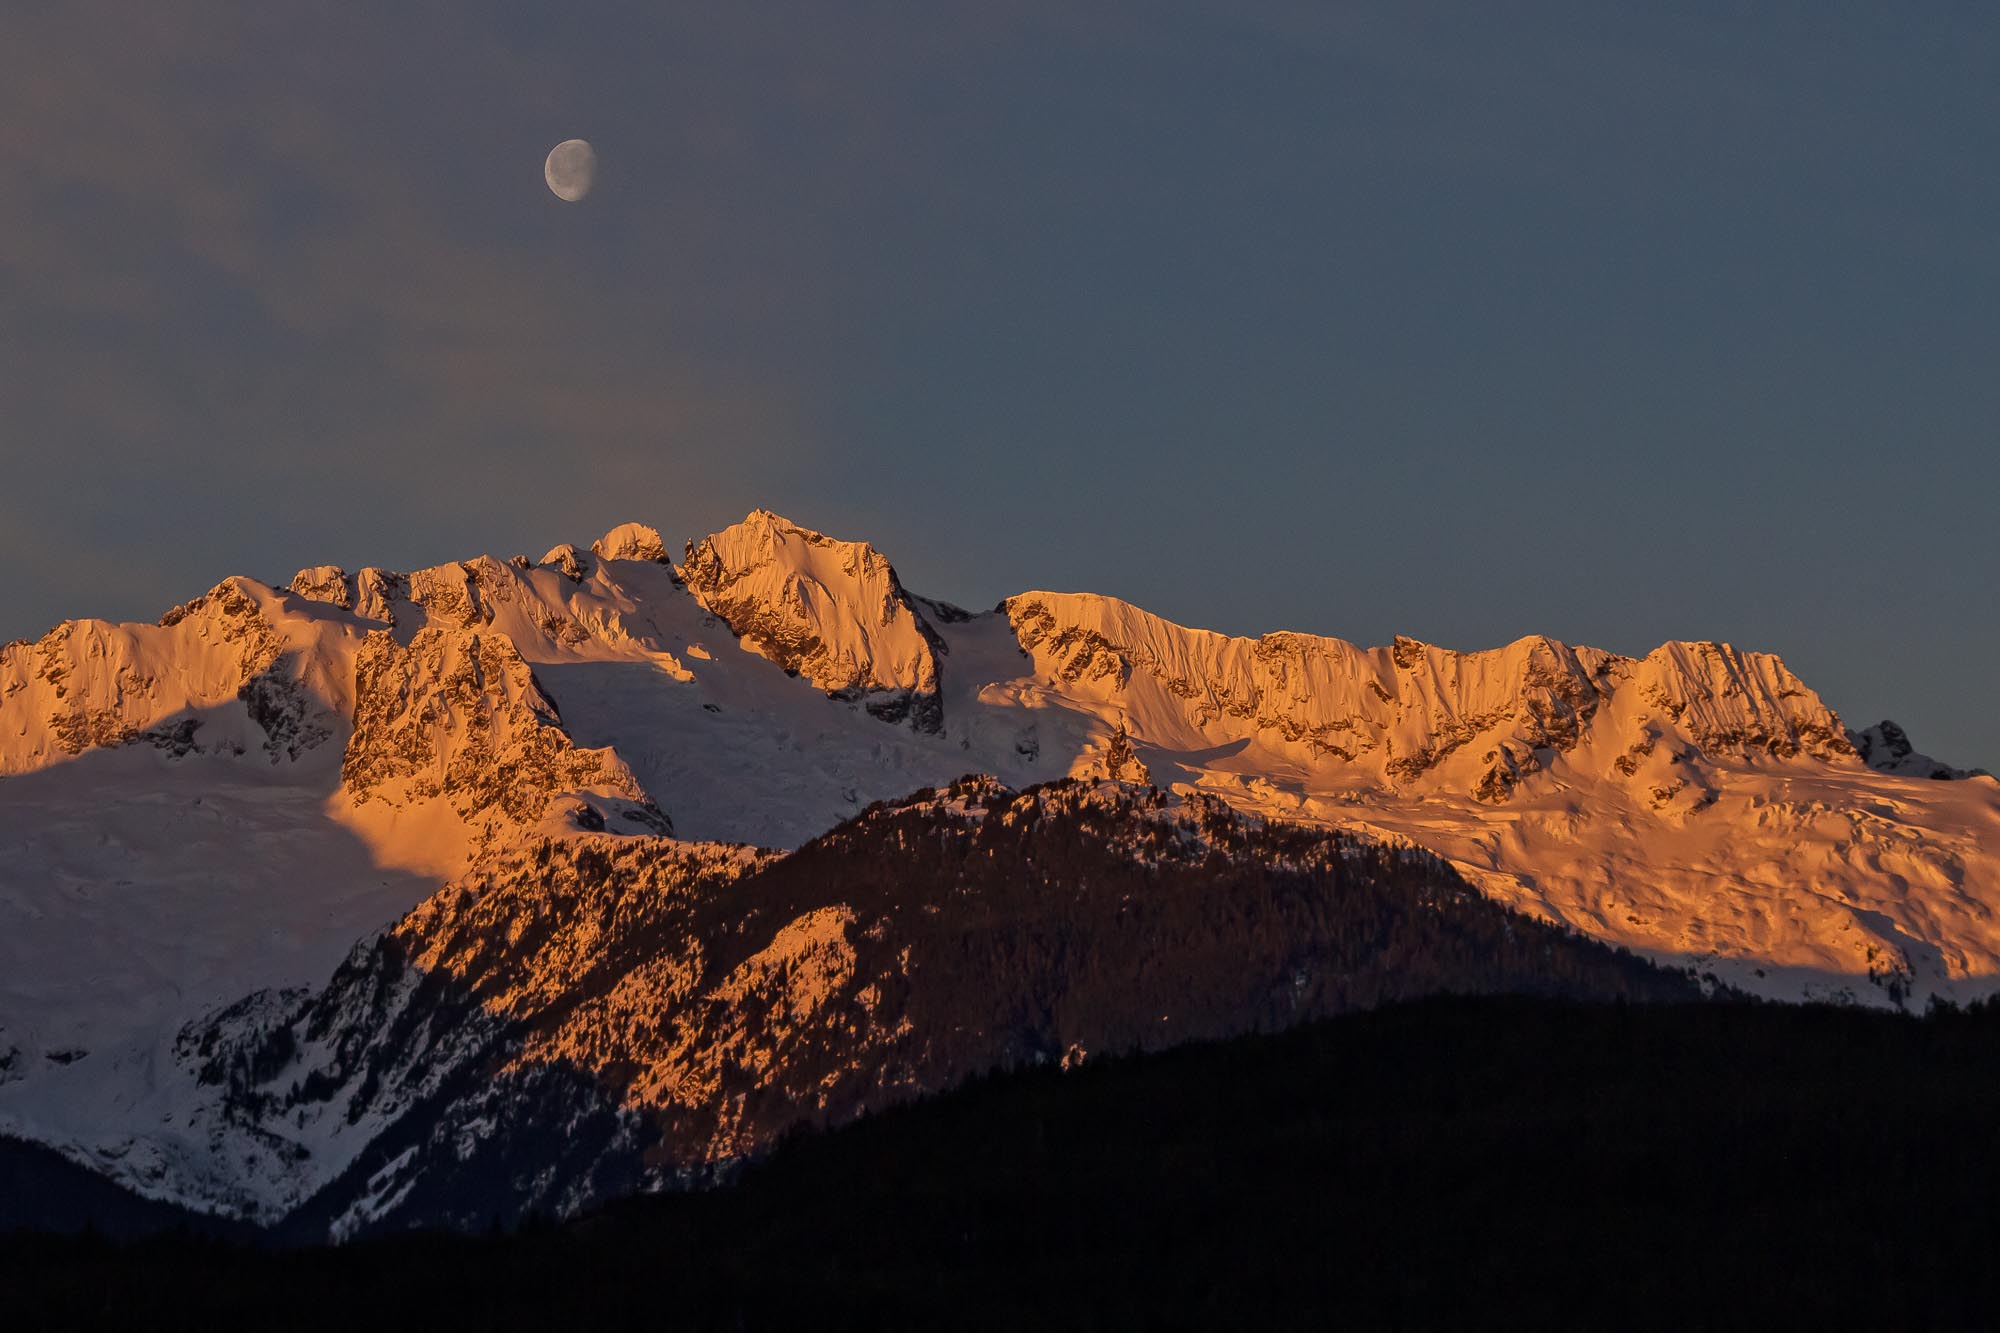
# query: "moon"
[[571, 169]]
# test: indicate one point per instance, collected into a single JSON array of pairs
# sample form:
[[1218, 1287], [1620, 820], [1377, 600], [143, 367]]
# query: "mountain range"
[[397, 898]]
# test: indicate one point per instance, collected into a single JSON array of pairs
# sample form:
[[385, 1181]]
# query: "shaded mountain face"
[[220, 805], [586, 1016], [1886, 748]]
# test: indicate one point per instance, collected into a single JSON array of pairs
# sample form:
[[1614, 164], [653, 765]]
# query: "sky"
[[1615, 322]]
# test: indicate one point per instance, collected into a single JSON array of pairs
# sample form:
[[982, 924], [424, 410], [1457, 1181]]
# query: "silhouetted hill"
[[1516, 1162], [43, 1190]]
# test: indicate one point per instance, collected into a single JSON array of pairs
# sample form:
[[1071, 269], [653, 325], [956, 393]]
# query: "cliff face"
[[458, 716]]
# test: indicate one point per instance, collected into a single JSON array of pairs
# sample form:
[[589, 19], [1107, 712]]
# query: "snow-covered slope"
[[226, 801]]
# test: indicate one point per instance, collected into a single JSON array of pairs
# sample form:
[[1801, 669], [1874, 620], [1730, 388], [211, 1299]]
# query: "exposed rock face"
[[1737, 703], [1122, 762], [567, 559], [451, 595], [324, 583], [291, 717], [830, 611], [376, 593], [1401, 710], [586, 1015], [1419, 717], [1886, 748], [457, 714]]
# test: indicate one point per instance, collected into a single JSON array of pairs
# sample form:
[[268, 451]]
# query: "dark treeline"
[[1450, 1162], [40, 1189]]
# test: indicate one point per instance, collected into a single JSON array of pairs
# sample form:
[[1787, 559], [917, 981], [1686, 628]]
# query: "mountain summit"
[[222, 804]]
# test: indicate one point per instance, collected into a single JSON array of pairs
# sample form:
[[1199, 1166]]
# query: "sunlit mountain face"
[[387, 896]]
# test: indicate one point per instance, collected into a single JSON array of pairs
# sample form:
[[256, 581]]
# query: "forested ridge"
[[1449, 1162], [593, 1016]]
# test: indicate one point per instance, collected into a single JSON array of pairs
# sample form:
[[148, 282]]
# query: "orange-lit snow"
[[190, 812]]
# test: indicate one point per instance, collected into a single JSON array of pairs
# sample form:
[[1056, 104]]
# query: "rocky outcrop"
[[567, 559], [324, 583], [458, 716], [1886, 748], [1415, 717], [452, 595], [376, 593]]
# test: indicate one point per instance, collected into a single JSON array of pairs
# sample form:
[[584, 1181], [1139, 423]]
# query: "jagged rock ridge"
[[1412, 715]]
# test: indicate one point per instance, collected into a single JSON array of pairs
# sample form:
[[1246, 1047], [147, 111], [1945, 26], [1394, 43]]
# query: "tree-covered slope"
[[1453, 1162], [594, 1016]]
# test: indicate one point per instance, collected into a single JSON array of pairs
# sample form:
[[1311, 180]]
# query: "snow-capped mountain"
[[832, 612], [222, 804]]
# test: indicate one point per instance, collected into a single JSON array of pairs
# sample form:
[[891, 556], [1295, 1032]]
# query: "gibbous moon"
[[571, 169]]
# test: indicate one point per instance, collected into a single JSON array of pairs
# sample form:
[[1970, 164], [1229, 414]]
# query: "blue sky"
[[1615, 322]]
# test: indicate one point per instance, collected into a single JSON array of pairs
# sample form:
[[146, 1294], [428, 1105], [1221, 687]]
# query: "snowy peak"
[[1886, 748], [631, 541], [1413, 716], [830, 611], [1730, 702], [440, 707], [1407, 718], [232, 670]]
